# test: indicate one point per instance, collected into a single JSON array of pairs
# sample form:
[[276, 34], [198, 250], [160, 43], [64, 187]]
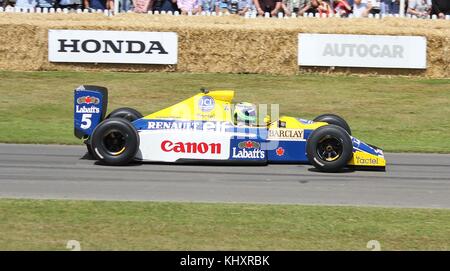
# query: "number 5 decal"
[[86, 121]]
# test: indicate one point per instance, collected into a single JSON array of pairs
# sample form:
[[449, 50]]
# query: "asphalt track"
[[60, 172]]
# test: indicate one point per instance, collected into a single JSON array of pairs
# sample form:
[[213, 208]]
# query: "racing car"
[[204, 129]]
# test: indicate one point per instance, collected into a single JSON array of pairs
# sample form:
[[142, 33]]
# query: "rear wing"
[[90, 104]]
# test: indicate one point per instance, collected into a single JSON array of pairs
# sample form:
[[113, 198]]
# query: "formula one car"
[[203, 129]]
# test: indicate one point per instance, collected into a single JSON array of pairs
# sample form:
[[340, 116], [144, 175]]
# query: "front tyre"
[[329, 148], [334, 119], [115, 142]]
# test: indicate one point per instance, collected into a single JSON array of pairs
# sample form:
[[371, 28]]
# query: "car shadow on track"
[[344, 170], [89, 157]]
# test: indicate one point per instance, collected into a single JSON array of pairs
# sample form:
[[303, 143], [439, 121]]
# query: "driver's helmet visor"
[[246, 112]]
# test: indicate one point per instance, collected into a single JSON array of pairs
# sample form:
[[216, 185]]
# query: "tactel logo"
[[366, 161]]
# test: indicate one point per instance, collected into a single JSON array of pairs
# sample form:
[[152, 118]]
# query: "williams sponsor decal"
[[216, 126], [249, 145], [206, 103], [305, 121], [88, 100], [175, 125], [367, 148], [85, 109], [191, 147], [366, 161], [206, 116], [356, 142], [286, 134], [280, 151], [248, 149]]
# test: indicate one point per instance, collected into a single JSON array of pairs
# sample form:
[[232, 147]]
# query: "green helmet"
[[245, 114]]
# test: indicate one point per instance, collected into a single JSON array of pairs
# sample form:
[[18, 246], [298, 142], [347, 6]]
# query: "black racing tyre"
[[329, 148], [89, 149], [334, 119], [127, 113], [115, 142]]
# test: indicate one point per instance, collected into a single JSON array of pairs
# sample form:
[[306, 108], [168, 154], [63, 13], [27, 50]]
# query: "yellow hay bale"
[[228, 44]]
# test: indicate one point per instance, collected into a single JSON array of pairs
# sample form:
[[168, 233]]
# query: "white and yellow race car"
[[202, 129]]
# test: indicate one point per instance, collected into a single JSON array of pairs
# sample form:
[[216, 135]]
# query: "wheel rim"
[[114, 142], [329, 148]]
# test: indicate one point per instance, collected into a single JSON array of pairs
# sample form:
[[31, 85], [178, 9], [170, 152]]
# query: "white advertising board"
[[377, 51], [95, 46]]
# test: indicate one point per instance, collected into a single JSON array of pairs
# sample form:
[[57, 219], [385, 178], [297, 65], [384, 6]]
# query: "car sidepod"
[[182, 141]]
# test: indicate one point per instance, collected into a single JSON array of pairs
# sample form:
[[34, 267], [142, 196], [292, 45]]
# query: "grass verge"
[[102, 225], [397, 114]]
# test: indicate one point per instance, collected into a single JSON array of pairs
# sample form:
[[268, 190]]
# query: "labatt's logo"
[[191, 147], [87, 100], [248, 149], [84, 109]]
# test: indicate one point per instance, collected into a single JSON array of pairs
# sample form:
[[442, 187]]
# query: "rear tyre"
[[334, 119], [115, 142], [89, 149], [329, 148], [127, 113]]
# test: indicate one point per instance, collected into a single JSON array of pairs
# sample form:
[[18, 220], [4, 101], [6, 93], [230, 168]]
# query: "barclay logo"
[[111, 46], [286, 134]]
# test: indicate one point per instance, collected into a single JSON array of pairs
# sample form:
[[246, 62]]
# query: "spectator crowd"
[[343, 8]]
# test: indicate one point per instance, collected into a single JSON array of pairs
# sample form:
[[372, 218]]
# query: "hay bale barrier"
[[228, 44]]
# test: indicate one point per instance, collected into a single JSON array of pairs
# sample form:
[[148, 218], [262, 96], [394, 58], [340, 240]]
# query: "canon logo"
[[110, 46], [190, 147]]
